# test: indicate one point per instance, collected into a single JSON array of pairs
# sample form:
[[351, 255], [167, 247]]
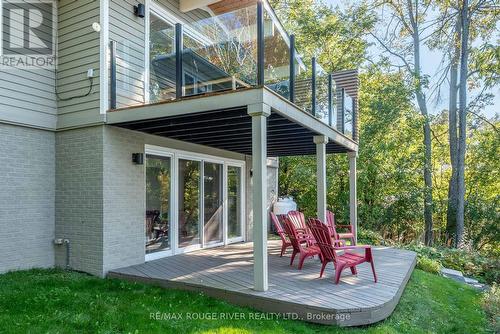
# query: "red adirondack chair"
[[332, 227], [285, 242], [299, 221], [297, 236], [330, 247]]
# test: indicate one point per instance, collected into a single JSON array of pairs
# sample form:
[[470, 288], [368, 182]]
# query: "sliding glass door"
[[234, 203], [192, 202], [158, 203], [189, 202], [213, 202]]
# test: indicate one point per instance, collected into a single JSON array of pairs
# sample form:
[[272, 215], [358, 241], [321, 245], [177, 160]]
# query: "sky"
[[430, 65]]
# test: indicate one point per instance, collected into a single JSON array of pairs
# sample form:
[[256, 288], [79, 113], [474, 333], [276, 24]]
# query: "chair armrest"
[[353, 247], [345, 226]]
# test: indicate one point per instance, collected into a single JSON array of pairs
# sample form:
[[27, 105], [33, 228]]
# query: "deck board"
[[227, 273]]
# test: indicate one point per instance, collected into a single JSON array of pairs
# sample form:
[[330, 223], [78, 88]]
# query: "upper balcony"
[[237, 46]]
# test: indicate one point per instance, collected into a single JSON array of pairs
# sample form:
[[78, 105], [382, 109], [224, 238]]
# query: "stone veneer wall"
[[27, 178]]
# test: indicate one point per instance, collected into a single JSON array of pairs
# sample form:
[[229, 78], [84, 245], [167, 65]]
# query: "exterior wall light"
[[138, 158], [140, 10]]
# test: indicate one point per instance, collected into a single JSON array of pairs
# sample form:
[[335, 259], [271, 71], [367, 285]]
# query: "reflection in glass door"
[[158, 217], [189, 202], [213, 200], [234, 193]]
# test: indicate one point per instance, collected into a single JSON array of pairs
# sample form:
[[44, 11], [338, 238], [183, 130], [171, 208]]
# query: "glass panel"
[[234, 202], [321, 94], [220, 52], [276, 56], [348, 116], [129, 74], [162, 60], [212, 202], [303, 90], [158, 218], [189, 202], [334, 105]]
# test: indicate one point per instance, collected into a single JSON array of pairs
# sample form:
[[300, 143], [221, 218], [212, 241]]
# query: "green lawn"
[[53, 301]]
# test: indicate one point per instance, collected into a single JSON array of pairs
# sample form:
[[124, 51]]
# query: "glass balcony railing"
[[220, 52], [276, 55], [243, 46], [323, 101], [348, 116]]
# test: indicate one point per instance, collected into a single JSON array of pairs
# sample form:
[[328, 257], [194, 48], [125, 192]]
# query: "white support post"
[[259, 113], [321, 142], [353, 198]]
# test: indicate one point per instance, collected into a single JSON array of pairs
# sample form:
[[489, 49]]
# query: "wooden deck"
[[227, 273]]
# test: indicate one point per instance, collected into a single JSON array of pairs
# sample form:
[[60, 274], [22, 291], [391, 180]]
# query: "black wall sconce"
[[140, 10], [138, 158]]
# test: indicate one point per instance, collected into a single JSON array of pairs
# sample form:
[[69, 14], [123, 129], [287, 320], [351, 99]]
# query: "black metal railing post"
[[112, 71], [260, 43], [354, 120], [179, 45], [291, 83], [342, 110], [330, 99], [313, 87]]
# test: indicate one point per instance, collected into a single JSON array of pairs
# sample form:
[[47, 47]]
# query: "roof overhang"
[[188, 5], [220, 120]]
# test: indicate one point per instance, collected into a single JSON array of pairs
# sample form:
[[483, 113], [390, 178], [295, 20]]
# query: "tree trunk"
[[428, 183], [462, 125], [451, 221], [422, 104]]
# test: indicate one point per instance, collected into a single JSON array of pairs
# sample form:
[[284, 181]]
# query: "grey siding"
[[78, 51], [27, 96], [129, 33], [79, 197], [26, 198]]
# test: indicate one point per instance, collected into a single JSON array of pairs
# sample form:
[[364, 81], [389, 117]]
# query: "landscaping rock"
[[453, 274], [471, 281], [459, 277]]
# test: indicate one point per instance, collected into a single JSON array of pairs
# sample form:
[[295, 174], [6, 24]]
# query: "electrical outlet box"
[[58, 241], [90, 73]]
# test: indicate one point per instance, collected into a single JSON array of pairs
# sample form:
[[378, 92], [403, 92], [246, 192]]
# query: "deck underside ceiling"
[[231, 129]]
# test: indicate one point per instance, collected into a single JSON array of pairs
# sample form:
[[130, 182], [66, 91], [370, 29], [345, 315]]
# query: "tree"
[[402, 40], [334, 36], [461, 24], [462, 120]]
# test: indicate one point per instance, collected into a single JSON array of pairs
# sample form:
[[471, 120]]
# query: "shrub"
[[485, 269], [491, 305], [370, 237], [429, 265]]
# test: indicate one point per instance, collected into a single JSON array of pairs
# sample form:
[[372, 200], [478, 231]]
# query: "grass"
[[54, 301]]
